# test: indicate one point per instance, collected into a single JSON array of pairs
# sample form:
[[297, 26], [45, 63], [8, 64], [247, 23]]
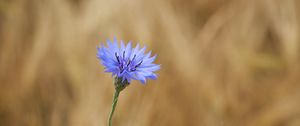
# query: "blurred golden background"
[[224, 62]]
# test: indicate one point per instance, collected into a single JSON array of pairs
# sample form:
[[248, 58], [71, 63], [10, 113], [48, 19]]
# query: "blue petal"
[[152, 68], [134, 51], [122, 49], [128, 50], [152, 76], [141, 78], [148, 54], [140, 54], [149, 60], [115, 46]]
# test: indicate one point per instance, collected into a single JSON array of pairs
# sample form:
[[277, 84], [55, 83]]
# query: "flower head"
[[127, 63]]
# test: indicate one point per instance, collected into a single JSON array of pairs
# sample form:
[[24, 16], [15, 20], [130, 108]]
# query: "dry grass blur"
[[224, 62]]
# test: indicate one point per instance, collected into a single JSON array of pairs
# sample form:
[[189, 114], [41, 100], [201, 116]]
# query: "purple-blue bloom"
[[126, 62]]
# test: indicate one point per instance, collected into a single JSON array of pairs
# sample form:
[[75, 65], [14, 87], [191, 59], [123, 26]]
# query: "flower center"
[[127, 64]]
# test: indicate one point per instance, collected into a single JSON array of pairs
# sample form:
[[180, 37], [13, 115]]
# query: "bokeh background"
[[224, 62]]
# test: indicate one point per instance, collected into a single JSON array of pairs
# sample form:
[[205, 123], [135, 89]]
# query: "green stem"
[[114, 104]]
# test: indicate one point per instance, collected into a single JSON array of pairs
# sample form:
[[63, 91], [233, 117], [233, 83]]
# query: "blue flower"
[[127, 63]]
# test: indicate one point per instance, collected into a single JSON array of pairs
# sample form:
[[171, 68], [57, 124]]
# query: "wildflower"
[[127, 63]]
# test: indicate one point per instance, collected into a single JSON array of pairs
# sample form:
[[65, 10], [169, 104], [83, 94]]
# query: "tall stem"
[[114, 104]]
